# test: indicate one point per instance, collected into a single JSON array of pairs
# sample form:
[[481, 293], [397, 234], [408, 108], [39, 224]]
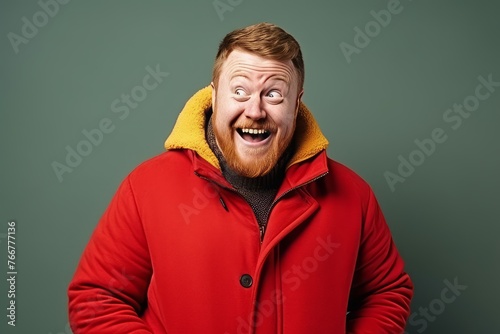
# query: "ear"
[[213, 95], [299, 99]]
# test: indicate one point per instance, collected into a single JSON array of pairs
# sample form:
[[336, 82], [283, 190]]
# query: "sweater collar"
[[189, 131]]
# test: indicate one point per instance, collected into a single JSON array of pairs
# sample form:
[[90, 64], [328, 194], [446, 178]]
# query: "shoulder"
[[346, 176], [343, 182], [166, 164], [348, 187]]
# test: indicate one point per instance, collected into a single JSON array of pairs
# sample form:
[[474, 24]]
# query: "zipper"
[[262, 228], [292, 189]]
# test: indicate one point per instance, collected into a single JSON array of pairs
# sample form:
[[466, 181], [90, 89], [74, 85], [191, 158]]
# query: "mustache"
[[265, 125]]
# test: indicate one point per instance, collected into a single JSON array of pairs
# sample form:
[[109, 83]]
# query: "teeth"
[[253, 131]]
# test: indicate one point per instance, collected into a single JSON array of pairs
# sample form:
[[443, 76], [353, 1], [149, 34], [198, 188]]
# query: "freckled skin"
[[255, 93]]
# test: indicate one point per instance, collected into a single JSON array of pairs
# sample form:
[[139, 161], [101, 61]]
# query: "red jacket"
[[178, 250]]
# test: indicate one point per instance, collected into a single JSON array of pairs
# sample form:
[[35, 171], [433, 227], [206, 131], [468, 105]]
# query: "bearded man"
[[243, 225]]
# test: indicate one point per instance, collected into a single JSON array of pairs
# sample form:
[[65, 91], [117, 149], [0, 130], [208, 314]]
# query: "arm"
[[381, 292], [108, 291]]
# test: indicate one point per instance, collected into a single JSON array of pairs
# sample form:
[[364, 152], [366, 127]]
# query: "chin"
[[256, 166]]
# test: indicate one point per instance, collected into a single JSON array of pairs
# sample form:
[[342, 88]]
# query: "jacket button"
[[246, 281]]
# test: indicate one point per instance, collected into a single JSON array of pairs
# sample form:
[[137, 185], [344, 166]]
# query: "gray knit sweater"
[[260, 191]]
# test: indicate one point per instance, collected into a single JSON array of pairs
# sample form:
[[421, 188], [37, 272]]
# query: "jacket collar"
[[189, 131]]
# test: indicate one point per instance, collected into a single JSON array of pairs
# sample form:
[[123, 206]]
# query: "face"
[[255, 106]]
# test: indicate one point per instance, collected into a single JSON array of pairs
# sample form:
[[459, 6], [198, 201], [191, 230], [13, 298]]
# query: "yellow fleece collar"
[[189, 130]]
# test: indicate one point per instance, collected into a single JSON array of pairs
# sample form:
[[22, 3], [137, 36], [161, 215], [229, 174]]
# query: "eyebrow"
[[239, 74], [278, 77]]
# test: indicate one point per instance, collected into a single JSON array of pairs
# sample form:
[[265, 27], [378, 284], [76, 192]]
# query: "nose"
[[254, 109]]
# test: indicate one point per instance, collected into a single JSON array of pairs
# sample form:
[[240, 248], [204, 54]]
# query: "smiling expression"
[[255, 105]]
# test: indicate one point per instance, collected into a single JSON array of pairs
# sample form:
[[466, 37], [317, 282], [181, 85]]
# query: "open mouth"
[[253, 135]]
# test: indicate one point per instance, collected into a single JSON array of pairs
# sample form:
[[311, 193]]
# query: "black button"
[[246, 281]]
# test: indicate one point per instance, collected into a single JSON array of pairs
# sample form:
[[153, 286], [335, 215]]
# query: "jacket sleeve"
[[381, 291], [108, 291]]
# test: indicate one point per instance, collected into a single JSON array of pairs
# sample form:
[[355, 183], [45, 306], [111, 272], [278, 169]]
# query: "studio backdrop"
[[406, 91]]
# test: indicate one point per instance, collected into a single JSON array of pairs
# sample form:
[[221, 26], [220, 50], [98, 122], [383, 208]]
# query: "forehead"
[[246, 63]]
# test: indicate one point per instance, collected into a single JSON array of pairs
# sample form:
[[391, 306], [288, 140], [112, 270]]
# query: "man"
[[244, 225]]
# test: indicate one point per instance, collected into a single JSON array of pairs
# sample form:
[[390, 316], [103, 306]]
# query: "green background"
[[444, 216]]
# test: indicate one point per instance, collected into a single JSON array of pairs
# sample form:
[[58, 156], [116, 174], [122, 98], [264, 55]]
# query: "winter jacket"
[[178, 250]]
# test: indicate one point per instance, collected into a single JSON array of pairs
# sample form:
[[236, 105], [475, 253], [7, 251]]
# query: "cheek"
[[287, 129], [285, 121], [228, 111], [221, 116], [221, 123]]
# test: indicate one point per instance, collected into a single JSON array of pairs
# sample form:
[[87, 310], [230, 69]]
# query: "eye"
[[274, 94], [274, 97], [239, 92]]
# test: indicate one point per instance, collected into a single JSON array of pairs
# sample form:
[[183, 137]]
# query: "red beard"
[[259, 166]]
